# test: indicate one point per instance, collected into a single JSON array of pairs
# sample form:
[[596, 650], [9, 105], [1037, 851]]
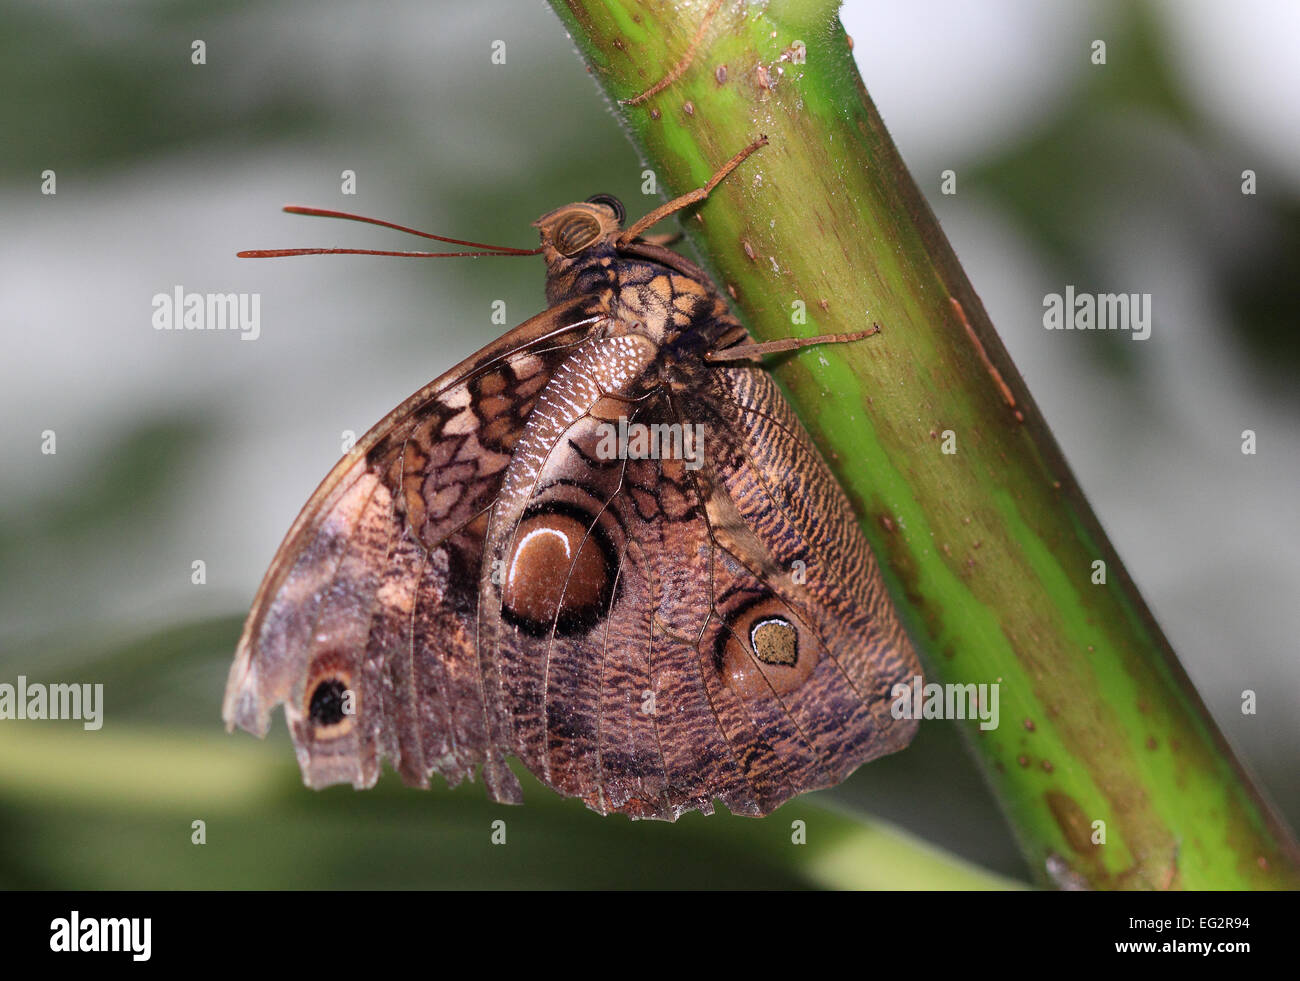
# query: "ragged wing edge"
[[242, 705]]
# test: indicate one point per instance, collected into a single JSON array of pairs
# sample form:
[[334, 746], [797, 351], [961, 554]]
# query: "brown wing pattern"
[[784, 496], [654, 646], [379, 570], [481, 578]]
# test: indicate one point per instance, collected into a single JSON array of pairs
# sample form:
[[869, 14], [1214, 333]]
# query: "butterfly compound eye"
[[574, 233], [611, 202]]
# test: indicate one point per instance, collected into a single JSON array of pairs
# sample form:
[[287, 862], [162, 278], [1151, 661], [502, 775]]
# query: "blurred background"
[[180, 446]]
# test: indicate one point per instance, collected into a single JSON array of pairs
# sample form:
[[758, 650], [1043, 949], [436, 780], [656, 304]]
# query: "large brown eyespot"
[[559, 573], [575, 232], [764, 649]]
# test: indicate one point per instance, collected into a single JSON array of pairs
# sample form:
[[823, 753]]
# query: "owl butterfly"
[[603, 545]]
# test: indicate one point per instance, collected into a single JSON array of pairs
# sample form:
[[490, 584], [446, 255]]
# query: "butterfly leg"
[[690, 197], [743, 352], [679, 69], [668, 238]]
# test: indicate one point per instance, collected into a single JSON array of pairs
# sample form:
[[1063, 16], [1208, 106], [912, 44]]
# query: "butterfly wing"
[[670, 631], [788, 549], [364, 625], [481, 577]]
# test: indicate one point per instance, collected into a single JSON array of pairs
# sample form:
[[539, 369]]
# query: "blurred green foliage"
[[1094, 151]]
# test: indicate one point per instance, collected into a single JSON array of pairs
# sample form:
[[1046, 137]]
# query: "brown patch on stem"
[[1074, 824]]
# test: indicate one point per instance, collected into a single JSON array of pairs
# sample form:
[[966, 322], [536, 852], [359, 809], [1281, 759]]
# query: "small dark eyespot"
[[610, 202], [327, 703]]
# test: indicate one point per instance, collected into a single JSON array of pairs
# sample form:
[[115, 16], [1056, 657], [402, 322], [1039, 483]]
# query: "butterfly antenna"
[[480, 248]]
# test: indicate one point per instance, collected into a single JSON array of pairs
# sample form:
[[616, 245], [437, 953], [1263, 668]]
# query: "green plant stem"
[[990, 550]]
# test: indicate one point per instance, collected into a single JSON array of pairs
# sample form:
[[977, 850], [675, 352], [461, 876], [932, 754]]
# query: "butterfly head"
[[572, 233]]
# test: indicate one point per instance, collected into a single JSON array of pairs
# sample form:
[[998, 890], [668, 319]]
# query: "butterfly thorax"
[[640, 288]]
